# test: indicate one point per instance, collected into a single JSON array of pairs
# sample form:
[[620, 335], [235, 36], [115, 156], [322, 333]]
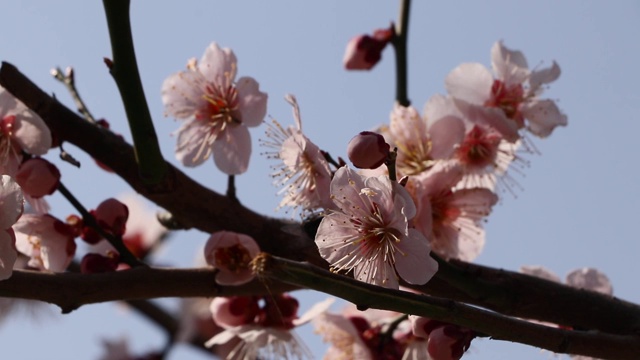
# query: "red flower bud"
[[37, 177], [363, 51], [368, 150]]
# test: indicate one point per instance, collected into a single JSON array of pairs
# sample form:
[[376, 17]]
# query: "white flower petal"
[[470, 82], [232, 150], [252, 102]]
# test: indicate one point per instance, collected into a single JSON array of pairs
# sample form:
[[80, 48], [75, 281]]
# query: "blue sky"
[[579, 203]]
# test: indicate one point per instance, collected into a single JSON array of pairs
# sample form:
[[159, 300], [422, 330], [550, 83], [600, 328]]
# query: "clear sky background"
[[579, 206]]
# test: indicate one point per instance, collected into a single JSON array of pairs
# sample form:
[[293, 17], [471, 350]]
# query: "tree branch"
[[601, 345], [69, 291], [193, 205], [124, 70]]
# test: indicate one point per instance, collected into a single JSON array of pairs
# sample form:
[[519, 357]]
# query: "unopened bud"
[[368, 150], [112, 216], [37, 177], [96, 263], [363, 51]]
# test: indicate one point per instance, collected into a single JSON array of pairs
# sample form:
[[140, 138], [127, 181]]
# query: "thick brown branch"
[[69, 291], [497, 326]]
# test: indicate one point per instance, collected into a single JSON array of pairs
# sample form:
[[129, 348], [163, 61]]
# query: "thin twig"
[[399, 42], [89, 220], [124, 70], [68, 79]]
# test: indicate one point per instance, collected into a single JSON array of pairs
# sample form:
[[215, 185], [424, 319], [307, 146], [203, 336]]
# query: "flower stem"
[[68, 79], [399, 42], [124, 69], [89, 220]]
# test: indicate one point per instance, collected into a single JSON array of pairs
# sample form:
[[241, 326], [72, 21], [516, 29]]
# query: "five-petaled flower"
[[217, 110], [506, 101], [369, 233]]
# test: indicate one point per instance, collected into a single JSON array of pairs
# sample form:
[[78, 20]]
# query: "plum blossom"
[[449, 217], [584, 278], [20, 130], [217, 111], [423, 140], [304, 173], [369, 232], [231, 253], [47, 241], [444, 341], [369, 335], [265, 333], [505, 101], [11, 207]]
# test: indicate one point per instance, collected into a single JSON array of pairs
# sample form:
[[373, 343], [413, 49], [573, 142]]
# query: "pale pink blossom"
[[509, 101], [269, 334], [444, 341], [11, 207], [369, 233], [367, 335], [231, 253], [449, 217], [421, 140], [344, 337], [584, 278], [304, 173], [20, 130], [218, 111], [47, 241], [486, 158]]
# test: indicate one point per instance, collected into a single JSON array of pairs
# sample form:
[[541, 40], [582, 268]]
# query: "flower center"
[[479, 148], [234, 258], [508, 99], [222, 106], [443, 214]]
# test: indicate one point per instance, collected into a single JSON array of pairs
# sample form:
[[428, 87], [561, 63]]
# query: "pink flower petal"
[[470, 82], [181, 94], [590, 279], [231, 150], [12, 202], [194, 143], [218, 64], [8, 254], [543, 116], [445, 134], [252, 102], [413, 262], [510, 66], [32, 133]]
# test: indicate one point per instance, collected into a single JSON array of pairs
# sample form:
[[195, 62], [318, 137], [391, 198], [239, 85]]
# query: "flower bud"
[[363, 51], [95, 263], [234, 311], [37, 177], [368, 150], [112, 216]]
